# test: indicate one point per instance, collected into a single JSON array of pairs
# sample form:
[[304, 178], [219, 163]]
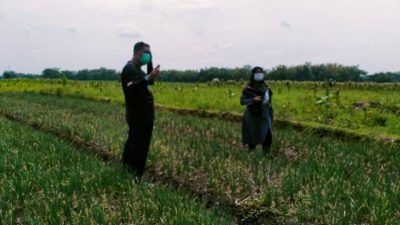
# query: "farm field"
[[308, 178], [363, 109], [46, 181]]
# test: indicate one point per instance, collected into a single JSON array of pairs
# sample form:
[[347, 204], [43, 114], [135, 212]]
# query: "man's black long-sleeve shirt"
[[139, 99]]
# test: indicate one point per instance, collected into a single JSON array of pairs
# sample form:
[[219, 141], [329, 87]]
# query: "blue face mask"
[[145, 58]]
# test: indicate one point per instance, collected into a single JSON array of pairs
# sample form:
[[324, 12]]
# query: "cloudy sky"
[[193, 34]]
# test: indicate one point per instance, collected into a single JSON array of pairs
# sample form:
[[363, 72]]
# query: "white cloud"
[[129, 30], [72, 30], [148, 5], [286, 24]]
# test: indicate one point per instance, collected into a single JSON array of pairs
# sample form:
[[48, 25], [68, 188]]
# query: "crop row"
[[46, 181]]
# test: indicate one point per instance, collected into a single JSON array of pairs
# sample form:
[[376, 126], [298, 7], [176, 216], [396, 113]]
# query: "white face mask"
[[259, 76]]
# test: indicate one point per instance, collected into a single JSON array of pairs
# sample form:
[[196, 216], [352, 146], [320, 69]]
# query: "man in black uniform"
[[139, 106]]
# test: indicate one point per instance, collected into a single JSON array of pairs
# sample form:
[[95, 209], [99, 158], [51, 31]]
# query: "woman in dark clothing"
[[257, 119]]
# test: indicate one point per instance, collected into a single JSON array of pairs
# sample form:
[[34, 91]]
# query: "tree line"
[[305, 72]]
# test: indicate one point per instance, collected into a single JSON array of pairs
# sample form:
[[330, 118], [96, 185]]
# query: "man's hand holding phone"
[[155, 73]]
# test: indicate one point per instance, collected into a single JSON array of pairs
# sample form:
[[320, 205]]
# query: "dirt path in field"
[[244, 213]]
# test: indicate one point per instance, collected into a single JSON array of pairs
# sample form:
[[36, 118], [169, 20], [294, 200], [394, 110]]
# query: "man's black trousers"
[[137, 146]]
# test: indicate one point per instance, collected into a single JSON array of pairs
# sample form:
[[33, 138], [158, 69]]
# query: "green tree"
[[51, 73]]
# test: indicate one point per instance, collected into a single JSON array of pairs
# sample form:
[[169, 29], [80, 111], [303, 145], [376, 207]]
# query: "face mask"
[[259, 76], [145, 58]]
